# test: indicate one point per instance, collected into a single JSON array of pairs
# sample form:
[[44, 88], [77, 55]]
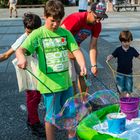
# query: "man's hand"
[[94, 70]]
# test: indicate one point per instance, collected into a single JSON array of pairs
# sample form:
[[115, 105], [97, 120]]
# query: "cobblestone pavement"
[[12, 103]]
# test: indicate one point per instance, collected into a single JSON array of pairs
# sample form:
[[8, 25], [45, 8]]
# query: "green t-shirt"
[[52, 52]]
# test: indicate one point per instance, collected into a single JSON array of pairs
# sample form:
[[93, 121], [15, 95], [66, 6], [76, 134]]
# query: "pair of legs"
[[33, 99], [124, 84], [54, 103], [13, 8]]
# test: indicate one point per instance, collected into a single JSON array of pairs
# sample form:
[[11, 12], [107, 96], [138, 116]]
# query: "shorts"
[[12, 6], [74, 69], [54, 103], [124, 83]]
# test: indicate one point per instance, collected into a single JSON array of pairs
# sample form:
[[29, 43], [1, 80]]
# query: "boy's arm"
[[6, 55], [81, 61], [20, 55]]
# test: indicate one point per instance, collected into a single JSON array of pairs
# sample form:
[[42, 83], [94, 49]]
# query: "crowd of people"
[[61, 63]]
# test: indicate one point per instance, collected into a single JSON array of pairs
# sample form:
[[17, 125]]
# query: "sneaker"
[[37, 129], [16, 16]]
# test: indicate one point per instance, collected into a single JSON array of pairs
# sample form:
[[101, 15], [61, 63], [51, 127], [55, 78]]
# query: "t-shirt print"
[[56, 54], [82, 35]]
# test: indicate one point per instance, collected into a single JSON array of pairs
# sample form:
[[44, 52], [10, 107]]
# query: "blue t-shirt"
[[124, 59]]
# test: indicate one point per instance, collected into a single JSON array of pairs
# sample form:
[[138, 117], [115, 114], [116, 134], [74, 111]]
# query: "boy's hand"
[[22, 63], [83, 71], [109, 57]]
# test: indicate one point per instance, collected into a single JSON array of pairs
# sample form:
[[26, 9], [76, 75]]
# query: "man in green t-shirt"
[[52, 43]]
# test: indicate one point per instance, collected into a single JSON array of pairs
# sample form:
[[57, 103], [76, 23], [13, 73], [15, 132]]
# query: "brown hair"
[[125, 35], [55, 9], [31, 21]]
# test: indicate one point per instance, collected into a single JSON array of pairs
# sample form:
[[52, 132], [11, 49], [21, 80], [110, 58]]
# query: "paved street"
[[12, 103]]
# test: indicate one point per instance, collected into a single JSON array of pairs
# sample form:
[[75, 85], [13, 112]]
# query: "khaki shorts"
[[12, 6]]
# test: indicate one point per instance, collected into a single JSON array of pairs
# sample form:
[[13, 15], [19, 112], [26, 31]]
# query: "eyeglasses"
[[96, 17]]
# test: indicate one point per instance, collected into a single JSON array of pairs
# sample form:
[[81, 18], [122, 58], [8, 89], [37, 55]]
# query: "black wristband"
[[93, 65]]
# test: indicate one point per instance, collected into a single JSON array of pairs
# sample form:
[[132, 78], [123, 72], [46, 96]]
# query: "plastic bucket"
[[130, 106], [116, 122]]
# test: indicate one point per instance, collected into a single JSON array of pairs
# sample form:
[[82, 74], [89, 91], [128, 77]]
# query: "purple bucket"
[[130, 106]]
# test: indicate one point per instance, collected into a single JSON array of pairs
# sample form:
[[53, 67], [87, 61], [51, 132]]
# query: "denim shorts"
[[54, 103], [124, 83]]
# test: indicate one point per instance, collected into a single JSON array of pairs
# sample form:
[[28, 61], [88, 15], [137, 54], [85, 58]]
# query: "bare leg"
[[71, 133], [124, 94], [10, 12], [74, 87], [50, 131], [16, 13]]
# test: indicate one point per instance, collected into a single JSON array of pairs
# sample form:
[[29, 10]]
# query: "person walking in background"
[[83, 25], [51, 44], [12, 6], [124, 54], [31, 21], [83, 5]]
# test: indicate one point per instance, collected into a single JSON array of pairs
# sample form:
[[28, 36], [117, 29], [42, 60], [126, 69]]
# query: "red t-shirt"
[[76, 23]]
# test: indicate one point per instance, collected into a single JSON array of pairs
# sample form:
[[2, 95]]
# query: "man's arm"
[[6, 55], [81, 61], [93, 55], [20, 55]]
